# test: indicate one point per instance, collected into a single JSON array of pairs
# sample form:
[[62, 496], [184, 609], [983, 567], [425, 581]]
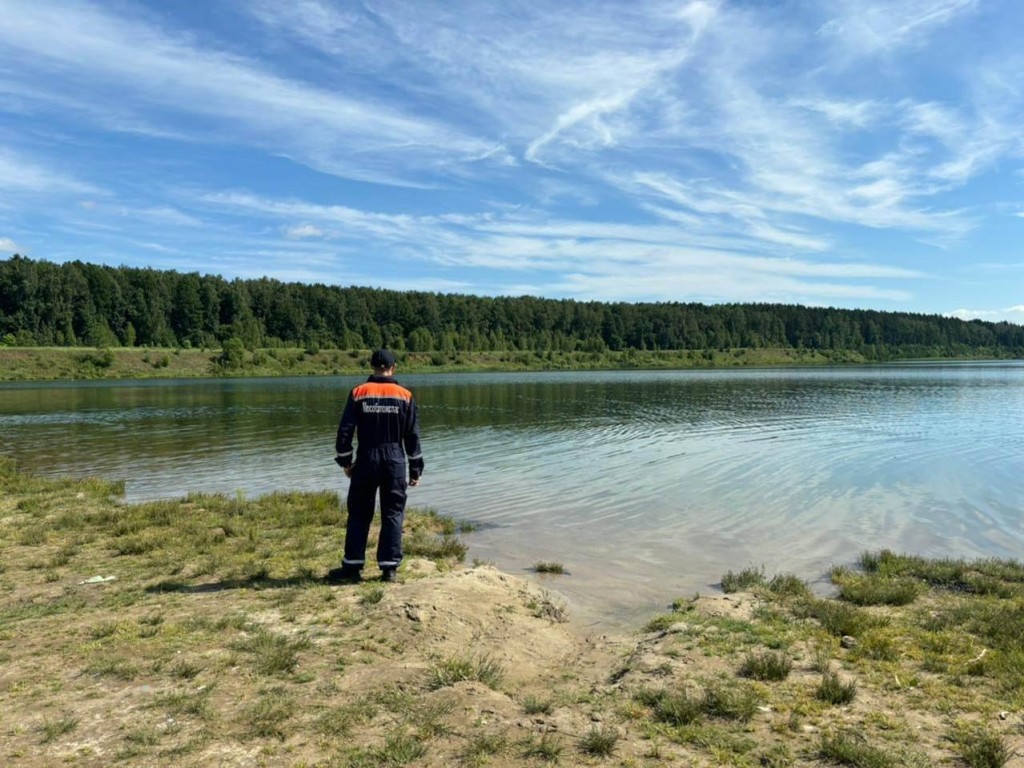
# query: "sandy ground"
[[376, 648]]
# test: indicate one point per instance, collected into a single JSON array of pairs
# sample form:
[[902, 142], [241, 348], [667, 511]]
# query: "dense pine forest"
[[79, 304]]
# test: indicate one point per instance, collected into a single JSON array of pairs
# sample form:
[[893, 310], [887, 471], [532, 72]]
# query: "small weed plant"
[[543, 567], [600, 741], [399, 749], [266, 718], [273, 654], [54, 729], [372, 596], [980, 747], [788, 585], [546, 748], [482, 747], [770, 665], [838, 618], [847, 748], [730, 700], [533, 705], [483, 668], [672, 707], [874, 589], [834, 691], [742, 581]]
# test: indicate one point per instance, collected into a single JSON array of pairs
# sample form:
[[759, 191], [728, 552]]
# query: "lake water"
[[646, 485]]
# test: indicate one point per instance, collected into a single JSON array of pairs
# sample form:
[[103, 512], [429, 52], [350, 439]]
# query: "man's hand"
[[414, 481], [347, 470]]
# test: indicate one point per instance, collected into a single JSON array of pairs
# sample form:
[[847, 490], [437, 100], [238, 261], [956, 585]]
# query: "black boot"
[[343, 575], [389, 575]]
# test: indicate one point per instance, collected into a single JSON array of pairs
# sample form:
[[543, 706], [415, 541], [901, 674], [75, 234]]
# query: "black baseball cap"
[[382, 358]]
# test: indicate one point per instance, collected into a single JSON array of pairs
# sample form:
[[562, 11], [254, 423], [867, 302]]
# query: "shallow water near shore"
[[646, 486]]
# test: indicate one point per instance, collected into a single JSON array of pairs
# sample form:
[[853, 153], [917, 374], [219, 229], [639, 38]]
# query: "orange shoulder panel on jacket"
[[381, 389]]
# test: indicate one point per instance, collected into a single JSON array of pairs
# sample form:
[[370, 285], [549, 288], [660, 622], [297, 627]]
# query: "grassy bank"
[[199, 632], [51, 363]]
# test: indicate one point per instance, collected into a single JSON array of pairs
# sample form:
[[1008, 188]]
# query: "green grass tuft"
[[372, 596], [533, 705], [847, 748], [771, 665], [421, 542], [398, 749], [546, 748], [483, 746], [1001, 577], [338, 722], [980, 747], [600, 741], [266, 718], [672, 707], [731, 700], [836, 617], [742, 581], [272, 654], [542, 567], [788, 585], [834, 691], [484, 668], [54, 729], [873, 589]]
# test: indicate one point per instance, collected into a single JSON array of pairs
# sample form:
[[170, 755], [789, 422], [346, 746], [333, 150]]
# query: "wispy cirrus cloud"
[[881, 162], [547, 78], [581, 257], [222, 96], [323, 25], [869, 28], [24, 174]]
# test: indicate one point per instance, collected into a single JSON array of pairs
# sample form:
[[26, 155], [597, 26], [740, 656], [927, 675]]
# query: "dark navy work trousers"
[[382, 471]]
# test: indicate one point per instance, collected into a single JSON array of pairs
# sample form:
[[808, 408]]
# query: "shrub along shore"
[[75, 363], [199, 631]]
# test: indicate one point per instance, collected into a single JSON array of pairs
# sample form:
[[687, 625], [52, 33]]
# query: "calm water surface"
[[645, 485]]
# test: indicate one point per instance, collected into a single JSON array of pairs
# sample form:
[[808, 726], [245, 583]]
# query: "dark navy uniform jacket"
[[381, 415]]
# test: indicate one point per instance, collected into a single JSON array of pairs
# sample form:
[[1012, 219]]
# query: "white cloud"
[[21, 174], [162, 214], [223, 97], [852, 114], [645, 262], [304, 230], [723, 286], [866, 27], [549, 78], [1013, 314], [8, 246], [314, 22]]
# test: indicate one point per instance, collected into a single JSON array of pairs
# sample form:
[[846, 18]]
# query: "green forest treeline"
[[79, 304]]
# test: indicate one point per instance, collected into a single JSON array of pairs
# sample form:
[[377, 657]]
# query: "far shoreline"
[[48, 364]]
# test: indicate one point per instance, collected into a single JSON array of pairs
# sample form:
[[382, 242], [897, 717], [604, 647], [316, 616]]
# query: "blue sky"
[[851, 153]]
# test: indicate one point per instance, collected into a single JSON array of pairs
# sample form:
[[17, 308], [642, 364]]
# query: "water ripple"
[[665, 478]]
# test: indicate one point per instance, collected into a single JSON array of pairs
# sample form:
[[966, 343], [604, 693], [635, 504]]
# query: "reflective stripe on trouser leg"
[[392, 515], [362, 492]]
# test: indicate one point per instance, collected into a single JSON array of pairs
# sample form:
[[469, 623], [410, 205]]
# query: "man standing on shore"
[[381, 415]]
